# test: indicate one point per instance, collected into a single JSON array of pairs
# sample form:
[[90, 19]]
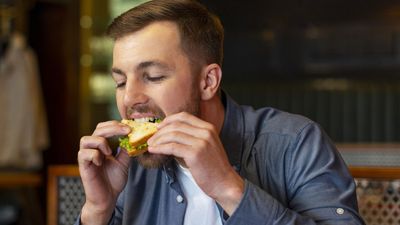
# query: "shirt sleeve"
[[116, 218], [113, 220], [318, 185], [78, 220]]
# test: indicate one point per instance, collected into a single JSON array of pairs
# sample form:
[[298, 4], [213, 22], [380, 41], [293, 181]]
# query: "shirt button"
[[179, 198], [339, 211]]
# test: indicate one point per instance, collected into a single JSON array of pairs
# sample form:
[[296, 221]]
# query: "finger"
[[185, 128], [188, 118], [173, 136], [123, 157], [171, 128], [181, 146], [111, 128], [107, 123], [178, 124], [86, 157], [94, 142], [175, 149]]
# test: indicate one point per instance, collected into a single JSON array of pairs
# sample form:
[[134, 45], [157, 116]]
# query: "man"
[[211, 161]]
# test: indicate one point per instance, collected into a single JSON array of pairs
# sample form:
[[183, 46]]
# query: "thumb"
[[123, 157]]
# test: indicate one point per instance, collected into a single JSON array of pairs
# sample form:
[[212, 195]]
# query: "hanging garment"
[[23, 124]]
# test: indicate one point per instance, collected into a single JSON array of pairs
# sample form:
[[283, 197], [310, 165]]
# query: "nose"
[[134, 93]]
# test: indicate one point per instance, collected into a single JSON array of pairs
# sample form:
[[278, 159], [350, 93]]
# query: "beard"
[[192, 106]]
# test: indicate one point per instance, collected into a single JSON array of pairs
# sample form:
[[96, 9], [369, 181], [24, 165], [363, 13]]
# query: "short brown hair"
[[201, 31]]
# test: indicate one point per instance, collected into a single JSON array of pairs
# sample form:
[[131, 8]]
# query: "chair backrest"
[[378, 193], [379, 201], [65, 194], [376, 169]]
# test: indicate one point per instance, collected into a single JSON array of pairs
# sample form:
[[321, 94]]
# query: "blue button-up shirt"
[[293, 175]]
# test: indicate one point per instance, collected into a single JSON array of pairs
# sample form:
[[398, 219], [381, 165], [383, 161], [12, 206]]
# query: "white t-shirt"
[[201, 209]]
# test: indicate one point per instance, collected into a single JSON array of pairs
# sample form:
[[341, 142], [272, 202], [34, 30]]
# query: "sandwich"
[[135, 143]]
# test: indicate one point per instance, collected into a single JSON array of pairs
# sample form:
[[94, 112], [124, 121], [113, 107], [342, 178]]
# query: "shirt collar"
[[169, 169], [232, 132]]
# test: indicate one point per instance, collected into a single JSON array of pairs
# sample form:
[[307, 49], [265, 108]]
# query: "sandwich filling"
[[135, 143]]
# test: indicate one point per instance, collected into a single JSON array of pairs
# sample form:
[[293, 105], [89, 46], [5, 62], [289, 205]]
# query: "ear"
[[210, 81]]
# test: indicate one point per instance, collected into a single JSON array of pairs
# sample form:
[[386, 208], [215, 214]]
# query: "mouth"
[[145, 113], [147, 119]]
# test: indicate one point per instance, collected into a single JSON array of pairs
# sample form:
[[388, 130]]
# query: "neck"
[[213, 112]]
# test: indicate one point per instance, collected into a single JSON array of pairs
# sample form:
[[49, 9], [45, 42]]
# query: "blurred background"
[[334, 61]]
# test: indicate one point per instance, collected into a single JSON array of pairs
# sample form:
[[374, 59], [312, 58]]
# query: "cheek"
[[173, 99], [119, 101], [168, 102]]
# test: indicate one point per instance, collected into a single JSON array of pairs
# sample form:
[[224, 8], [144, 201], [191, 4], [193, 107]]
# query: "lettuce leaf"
[[124, 143], [143, 146]]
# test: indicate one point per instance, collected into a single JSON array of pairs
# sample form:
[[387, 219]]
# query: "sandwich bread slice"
[[135, 143]]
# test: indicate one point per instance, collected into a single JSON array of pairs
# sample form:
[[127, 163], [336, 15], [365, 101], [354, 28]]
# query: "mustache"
[[146, 108]]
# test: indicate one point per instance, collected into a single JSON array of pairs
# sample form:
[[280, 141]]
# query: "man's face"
[[153, 78]]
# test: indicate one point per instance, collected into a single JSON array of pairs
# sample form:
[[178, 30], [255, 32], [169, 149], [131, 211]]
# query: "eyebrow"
[[117, 71], [146, 64], [142, 66]]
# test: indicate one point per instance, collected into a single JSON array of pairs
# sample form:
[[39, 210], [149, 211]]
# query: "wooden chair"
[[376, 170], [65, 195], [21, 190], [378, 194], [378, 189]]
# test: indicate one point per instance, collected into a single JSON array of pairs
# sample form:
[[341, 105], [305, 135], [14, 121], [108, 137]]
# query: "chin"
[[153, 161]]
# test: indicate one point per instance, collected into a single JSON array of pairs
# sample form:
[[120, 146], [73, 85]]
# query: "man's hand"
[[196, 143], [103, 176]]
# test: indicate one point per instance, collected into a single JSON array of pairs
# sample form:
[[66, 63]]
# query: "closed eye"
[[155, 78], [119, 77], [120, 84]]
